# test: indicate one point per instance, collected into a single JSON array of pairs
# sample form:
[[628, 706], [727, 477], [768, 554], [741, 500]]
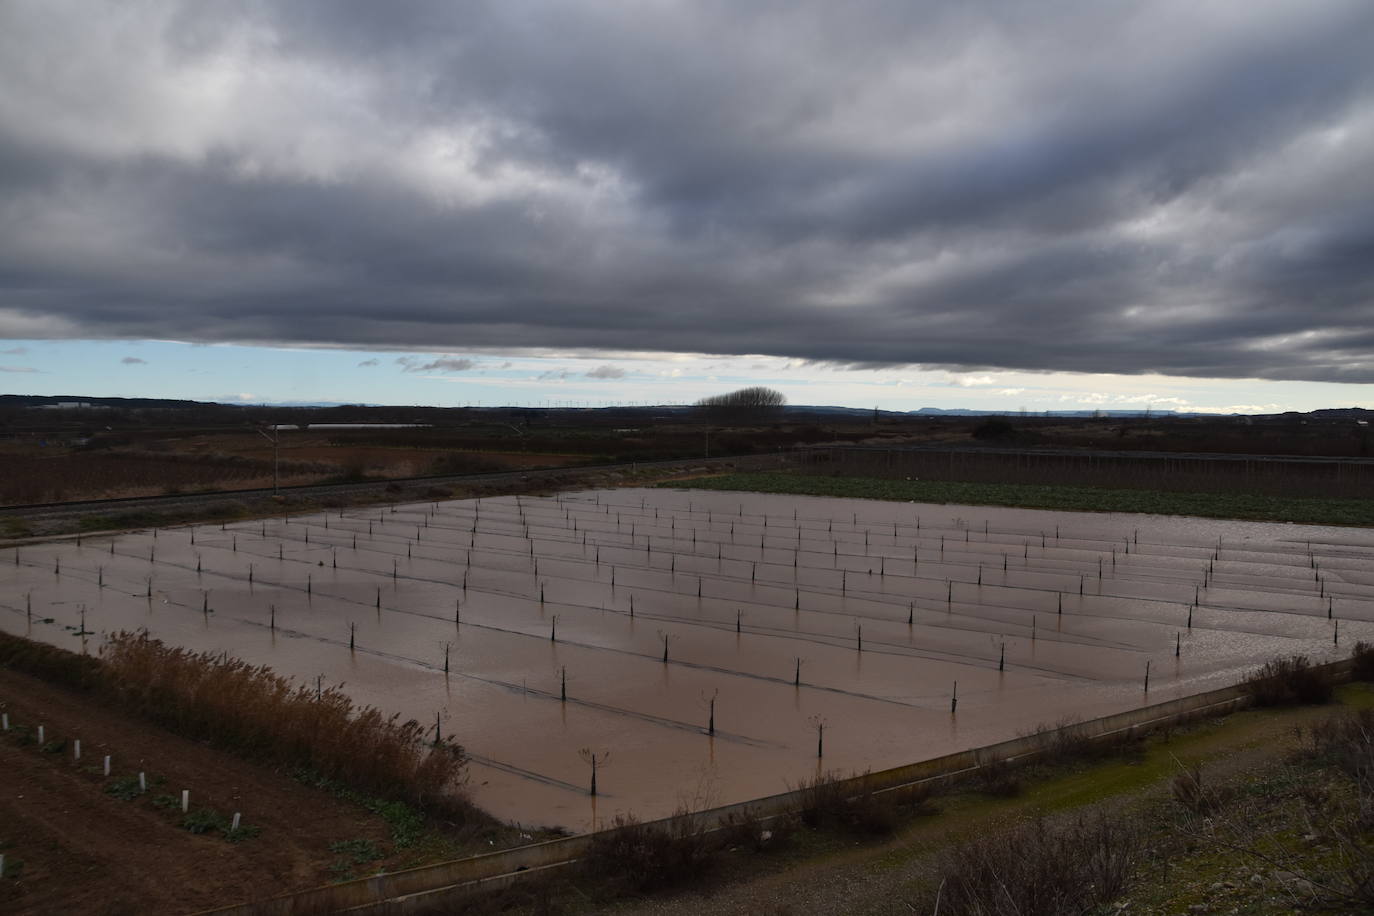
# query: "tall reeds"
[[256, 711]]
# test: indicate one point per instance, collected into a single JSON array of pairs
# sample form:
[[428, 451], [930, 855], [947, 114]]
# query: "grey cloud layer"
[[1172, 187]]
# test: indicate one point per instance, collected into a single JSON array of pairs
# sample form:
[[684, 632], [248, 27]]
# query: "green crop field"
[[1322, 511]]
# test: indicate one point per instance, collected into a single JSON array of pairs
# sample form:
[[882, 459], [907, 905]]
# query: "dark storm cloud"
[[1170, 187]]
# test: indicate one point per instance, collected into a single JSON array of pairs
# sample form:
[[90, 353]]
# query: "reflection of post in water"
[[710, 704], [818, 722], [596, 760]]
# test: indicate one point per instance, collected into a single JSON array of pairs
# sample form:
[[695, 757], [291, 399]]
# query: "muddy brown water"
[[1038, 616]]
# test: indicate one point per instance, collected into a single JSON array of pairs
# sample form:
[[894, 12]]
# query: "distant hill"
[[56, 400]]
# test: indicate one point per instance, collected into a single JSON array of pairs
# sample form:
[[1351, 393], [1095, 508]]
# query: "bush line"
[[1327, 511]]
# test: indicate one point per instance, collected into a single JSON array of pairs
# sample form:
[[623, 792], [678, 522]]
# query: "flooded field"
[[705, 641]]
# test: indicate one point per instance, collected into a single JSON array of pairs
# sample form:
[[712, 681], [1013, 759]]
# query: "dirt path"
[[85, 851], [885, 878]]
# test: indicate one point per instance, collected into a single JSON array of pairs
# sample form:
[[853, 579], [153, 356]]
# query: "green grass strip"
[[1317, 511]]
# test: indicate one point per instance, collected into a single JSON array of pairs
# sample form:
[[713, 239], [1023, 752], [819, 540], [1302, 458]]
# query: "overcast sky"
[[1107, 197]]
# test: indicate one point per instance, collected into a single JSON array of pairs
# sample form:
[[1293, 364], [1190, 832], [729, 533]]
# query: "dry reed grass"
[[253, 710]]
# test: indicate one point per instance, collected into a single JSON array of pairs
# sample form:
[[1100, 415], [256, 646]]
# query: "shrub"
[[1288, 681], [646, 857], [1193, 793], [828, 801], [998, 778], [1039, 869], [1347, 741], [821, 800], [1362, 662], [994, 431], [1068, 740], [872, 814], [745, 829]]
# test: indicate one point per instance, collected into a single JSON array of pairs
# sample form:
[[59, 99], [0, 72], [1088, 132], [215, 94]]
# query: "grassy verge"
[[1317, 511], [1156, 822]]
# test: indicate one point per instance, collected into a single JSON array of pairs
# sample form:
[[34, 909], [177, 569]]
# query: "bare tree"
[[747, 405]]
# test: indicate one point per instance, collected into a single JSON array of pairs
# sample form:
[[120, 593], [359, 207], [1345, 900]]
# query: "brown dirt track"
[[84, 851]]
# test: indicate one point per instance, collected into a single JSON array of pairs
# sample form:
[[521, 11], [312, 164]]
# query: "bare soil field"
[[72, 846], [32, 473]]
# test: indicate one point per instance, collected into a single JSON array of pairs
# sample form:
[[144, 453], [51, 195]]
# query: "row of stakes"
[[797, 603], [738, 625], [739, 614], [41, 734], [1127, 541], [844, 584], [593, 758], [666, 639], [949, 583], [859, 636]]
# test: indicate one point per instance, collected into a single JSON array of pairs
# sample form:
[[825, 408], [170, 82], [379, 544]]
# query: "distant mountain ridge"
[[54, 400], [64, 400]]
